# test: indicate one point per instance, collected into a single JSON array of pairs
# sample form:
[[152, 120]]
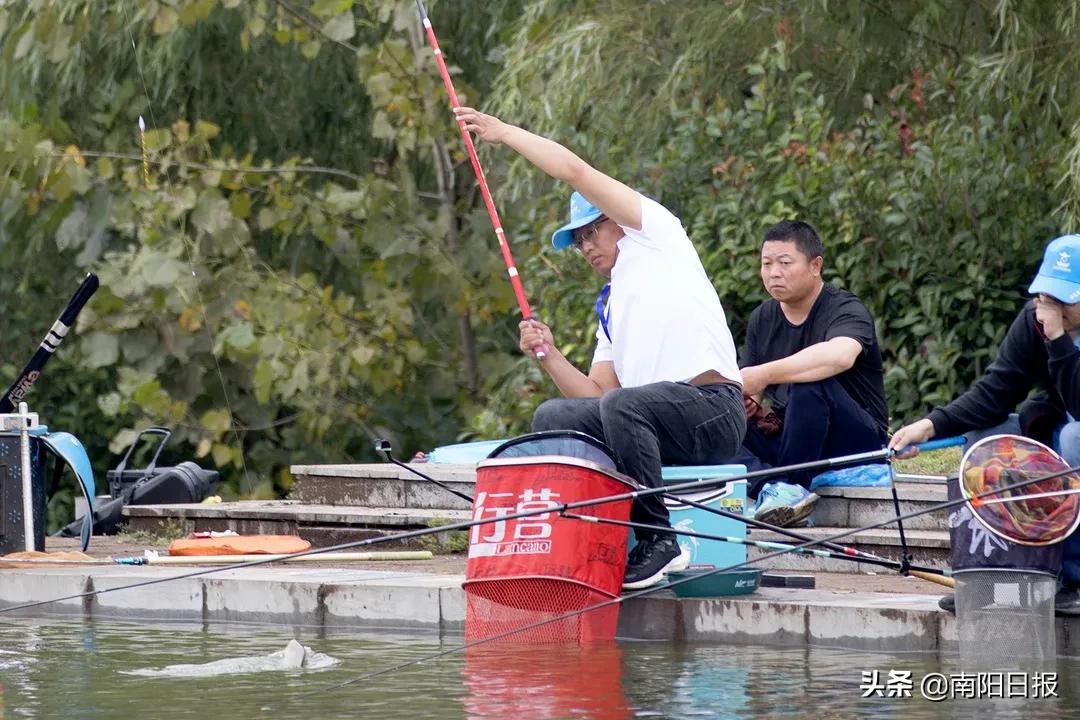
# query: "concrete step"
[[386, 485], [382, 485], [321, 525], [927, 547], [325, 525], [861, 506]]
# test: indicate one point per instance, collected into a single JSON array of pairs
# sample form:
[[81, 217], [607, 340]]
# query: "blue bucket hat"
[[582, 212], [1059, 274]]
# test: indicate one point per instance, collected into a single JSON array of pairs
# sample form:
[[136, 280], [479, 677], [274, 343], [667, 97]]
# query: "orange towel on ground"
[[240, 545]]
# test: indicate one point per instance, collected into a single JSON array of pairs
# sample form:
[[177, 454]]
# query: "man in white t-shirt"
[[664, 386]]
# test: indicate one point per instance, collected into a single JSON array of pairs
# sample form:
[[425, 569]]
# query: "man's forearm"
[[548, 155], [572, 383], [817, 362]]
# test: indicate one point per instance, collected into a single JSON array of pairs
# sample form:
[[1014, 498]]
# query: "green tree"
[[303, 261]]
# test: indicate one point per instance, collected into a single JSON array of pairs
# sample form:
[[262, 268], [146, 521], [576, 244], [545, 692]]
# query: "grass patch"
[[165, 532], [938, 462], [452, 542]]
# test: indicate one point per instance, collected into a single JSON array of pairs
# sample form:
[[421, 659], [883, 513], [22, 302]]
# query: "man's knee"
[[1069, 442], [809, 391], [555, 414], [616, 402]]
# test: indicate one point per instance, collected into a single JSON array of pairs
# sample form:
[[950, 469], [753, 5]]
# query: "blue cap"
[[1059, 275], [582, 212]]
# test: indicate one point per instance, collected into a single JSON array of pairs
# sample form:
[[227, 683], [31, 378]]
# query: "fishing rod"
[[691, 578], [844, 552], [905, 552], [468, 524], [848, 552], [383, 447], [481, 179], [763, 544], [30, 374], [840, 552]]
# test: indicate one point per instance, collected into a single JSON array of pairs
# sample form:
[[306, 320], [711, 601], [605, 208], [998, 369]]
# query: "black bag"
[[976, 548], [151, 485]]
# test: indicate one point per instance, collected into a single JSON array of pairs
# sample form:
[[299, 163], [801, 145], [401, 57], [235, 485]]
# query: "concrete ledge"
[[336, 597], [286, 510], [905, 491], [439, 471], [860, 506], [322, 525], [382, 485], [928, 547]]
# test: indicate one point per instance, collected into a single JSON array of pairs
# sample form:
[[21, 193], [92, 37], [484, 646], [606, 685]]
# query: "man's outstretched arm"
[[616, 200]]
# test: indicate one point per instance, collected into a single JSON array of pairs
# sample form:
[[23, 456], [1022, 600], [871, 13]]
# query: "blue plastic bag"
[[876, 475]]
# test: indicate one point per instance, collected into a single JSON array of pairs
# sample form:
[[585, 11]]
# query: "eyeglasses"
[[587, 234]]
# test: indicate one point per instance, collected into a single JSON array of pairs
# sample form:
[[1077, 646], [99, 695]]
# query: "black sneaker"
[[947, 603], [650, 560], [1067, 602]]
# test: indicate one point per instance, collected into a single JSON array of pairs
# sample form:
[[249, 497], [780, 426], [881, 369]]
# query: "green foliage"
[[271, 311], [936, 223], [305, 262], [164, 532], [447, 543], [934, 196]]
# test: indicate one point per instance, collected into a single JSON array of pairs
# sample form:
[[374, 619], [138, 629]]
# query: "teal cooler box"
[[729, 496]]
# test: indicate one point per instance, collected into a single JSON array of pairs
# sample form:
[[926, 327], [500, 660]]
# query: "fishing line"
[[691, 578], [194, 274], [846, 550], [763, 544]]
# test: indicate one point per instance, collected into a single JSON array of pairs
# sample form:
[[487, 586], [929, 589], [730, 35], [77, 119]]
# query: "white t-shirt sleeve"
[[658, 225], [603, 351]]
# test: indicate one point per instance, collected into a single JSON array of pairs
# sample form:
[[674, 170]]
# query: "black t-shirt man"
[[836, 313], [812, 350]]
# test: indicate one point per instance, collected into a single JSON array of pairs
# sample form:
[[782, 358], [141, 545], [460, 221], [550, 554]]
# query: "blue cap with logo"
[[582, 212], [1059, 274]]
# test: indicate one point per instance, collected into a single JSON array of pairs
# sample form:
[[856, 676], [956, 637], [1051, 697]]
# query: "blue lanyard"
[[604, 313]]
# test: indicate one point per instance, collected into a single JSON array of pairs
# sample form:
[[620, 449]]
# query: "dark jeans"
[[662, 423], [820, 421]]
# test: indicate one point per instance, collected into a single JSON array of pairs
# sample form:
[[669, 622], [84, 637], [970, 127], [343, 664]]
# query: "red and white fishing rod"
[[493, 214]]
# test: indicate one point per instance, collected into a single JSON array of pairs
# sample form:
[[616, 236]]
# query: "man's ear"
[[816, 264]]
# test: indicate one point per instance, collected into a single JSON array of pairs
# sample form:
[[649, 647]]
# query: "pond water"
[[51, 668]]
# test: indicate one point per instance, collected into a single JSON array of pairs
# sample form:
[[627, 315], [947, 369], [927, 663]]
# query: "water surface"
[[53, 668]]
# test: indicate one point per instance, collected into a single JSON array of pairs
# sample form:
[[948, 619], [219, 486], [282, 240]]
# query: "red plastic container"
[[524, 571]]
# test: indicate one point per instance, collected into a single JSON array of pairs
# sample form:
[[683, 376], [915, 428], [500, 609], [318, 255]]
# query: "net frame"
[[1005, 516]]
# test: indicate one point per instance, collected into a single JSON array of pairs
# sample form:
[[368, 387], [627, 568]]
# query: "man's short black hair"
[[801, 233]]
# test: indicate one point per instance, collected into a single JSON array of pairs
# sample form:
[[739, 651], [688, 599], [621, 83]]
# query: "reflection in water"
[[77, 669], [545, 681], [718, 691]]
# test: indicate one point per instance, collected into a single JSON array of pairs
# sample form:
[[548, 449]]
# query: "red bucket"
[[535, 568]]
